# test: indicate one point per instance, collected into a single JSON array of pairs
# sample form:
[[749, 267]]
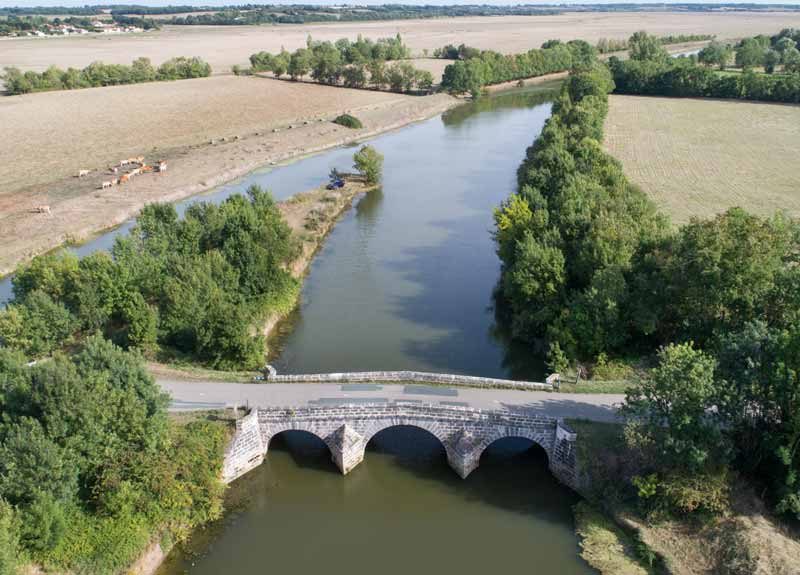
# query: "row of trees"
[[190, 287], [756, 52], [650, 71], [99, 74], [591, 269], [606, 45], [360, 64], [487, 67], [90, 466]]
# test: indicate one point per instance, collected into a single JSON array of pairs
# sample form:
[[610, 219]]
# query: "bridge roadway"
[[200, 395]]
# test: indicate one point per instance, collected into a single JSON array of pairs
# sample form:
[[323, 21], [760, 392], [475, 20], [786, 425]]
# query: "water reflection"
[[402, 510]]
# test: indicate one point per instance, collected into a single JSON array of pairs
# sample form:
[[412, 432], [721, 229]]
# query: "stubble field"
[[224, 46], [700, 157]]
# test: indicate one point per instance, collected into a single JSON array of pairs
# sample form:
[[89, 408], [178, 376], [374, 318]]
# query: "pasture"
[[700, 157]]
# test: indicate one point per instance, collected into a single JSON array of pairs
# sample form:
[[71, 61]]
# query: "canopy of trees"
[[90, 467], [654, 74], [359, 64], [190, 288], [591, 269], [99, 74], [489, 67]]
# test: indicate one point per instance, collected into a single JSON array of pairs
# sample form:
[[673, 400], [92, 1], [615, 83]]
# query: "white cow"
[[105, 185], [82, 173]]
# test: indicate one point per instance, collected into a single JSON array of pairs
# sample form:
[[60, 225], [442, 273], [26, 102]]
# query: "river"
[[404, 281]]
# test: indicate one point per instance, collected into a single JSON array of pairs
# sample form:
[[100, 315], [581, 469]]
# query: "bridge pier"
[[347, 448], [463, 452]]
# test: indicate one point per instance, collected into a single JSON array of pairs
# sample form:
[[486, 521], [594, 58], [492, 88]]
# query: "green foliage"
[[99, 74], [193, 287], [487, 67], [348, 121], [652, 74], [676, 400], [568, 236], [644, 47], [717, 54], [9, 540], [369, 163], [91, 465], [353, 64]]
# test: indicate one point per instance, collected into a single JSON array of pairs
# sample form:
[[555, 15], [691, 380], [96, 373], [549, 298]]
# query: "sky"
[[27, 3]]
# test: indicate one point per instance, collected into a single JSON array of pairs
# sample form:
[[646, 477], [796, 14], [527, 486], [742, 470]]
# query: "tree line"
[[358, 64], [91, 468], [650, 70], [488, 67], [591, 270], [190, 288], [301, 14], [606, 45], [99, 74]]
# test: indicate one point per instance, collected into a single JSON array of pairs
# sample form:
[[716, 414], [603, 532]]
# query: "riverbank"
[[204, 143], [615, 538]]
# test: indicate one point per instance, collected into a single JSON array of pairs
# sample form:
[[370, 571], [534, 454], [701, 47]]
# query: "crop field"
[[700, 157], [224, 46]]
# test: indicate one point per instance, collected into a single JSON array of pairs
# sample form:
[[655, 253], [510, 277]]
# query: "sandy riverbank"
[[252, 122]]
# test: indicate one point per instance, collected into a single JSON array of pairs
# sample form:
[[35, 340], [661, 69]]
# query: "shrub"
[[348, 121]]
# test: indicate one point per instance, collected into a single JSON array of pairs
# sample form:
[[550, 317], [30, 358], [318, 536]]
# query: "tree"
[[716, 54], [9, 540], [299, 63], [750, 53], [369, 163], [675, 402], [771, 60], [377, 73], [644, 47], [791, 60]]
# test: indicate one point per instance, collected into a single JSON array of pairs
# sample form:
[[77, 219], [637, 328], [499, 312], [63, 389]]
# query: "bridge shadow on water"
[[513, 474]]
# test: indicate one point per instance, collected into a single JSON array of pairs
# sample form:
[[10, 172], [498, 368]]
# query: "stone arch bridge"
[[347, 429]]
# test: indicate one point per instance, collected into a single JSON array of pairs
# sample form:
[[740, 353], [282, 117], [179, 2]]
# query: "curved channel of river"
[[404, 281]]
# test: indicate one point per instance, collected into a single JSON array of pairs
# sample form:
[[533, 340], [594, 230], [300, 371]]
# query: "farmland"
[[699, 157], [246, 118], [224, 46]]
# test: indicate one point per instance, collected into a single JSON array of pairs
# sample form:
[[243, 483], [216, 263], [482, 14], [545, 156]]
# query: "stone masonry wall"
[[347, 429], [408, 376]]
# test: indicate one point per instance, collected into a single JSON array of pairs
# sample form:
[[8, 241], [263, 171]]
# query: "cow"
[[42, 209], [82, 173], [124, 178], [105, 185]]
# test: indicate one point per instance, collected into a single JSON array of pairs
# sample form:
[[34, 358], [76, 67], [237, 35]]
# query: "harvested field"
[[46, 138], [223, 46], [700, 157]]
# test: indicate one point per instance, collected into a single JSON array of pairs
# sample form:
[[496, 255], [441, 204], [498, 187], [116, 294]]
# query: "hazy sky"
[[6, 3]]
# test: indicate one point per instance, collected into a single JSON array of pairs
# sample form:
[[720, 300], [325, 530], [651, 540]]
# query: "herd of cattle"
[[138, 167]]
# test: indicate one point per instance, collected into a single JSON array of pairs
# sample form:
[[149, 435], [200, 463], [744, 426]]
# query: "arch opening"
[[409, 446], [305, 448], [514, 450]]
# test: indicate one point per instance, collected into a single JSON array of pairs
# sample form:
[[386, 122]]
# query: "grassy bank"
[[617, 537]]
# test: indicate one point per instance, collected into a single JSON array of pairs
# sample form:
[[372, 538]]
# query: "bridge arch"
[[296, 426], [545, 441]]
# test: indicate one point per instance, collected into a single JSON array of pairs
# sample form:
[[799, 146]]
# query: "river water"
[[404, 281]]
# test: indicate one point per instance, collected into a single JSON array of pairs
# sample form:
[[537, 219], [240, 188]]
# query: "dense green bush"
[[193, 287], [91, 465], [487, 67], [348, 121], [99, 74]]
